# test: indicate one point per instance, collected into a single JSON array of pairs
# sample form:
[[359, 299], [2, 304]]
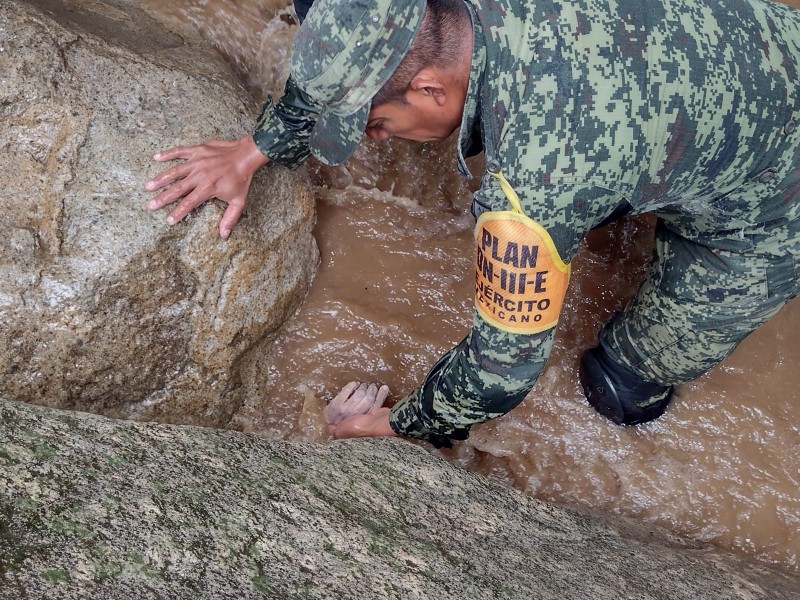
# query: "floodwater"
[[393, 292]]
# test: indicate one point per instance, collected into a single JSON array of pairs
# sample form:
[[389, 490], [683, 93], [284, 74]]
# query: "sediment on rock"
[[105, 307], [92, 507]]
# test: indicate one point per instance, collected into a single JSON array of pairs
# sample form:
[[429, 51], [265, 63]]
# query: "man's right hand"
[[215, 169]]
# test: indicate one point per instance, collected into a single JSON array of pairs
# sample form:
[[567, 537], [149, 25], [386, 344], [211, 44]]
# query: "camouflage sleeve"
[[482, 378], [491, 370], [282, 129]]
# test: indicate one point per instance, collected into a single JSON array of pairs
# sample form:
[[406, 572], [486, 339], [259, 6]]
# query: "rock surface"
[[97, 508], [103, 306]]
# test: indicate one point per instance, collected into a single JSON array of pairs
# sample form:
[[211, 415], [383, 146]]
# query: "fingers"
[[343, 395], [182, 170], [173, 153], [333, 411], [231, 217], [188, 204], [380, 398], [215, 169], [166, 177], [168, 196], [189, 152], [372, 398], [192, 198], [355, 399], [361, 400]]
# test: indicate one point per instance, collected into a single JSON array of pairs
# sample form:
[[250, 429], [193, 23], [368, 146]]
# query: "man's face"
[[420, 119]]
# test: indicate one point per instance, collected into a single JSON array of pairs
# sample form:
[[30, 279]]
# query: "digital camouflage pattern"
[[683, 108], [339, 74]]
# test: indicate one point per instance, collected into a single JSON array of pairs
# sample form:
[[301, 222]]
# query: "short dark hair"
[[438, 43]]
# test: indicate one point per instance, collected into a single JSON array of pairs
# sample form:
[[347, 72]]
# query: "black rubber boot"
[[618, 393], [301, 8]]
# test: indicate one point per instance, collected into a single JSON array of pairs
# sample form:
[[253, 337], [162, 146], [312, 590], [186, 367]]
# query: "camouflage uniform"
[[683, 108]]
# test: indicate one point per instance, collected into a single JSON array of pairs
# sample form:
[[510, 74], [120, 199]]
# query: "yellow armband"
[[520, 279]]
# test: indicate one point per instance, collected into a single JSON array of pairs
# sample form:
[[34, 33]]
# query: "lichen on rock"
[[92, 507]]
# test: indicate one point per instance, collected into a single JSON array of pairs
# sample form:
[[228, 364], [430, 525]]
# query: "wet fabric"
[[342, 55], [695, 307], [687, 109], [520, 280]]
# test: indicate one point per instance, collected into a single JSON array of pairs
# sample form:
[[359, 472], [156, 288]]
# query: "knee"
[[618, 393]]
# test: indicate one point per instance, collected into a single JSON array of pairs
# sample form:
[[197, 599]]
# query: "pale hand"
[[215, 169], [358, 411]]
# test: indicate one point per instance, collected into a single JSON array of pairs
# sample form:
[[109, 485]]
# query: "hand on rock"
[[216, 169]]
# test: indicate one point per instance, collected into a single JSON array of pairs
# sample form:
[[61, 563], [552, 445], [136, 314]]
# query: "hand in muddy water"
[[216, 169], [358, 411]]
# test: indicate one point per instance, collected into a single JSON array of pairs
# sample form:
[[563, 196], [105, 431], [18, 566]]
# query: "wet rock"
[[103, 306], [97, 508]]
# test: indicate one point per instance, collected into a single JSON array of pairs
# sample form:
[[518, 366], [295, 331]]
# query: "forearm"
[[484, 377]]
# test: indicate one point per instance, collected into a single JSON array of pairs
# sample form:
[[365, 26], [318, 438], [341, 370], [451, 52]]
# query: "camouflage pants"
[[695, 306]]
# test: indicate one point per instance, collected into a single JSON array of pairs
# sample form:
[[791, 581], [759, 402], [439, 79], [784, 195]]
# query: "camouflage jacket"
[[678, 107]]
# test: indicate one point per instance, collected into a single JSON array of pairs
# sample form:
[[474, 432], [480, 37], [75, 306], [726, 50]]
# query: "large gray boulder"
[[98, 508], [103, 307]]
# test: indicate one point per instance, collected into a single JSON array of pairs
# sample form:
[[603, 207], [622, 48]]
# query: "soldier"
[[585, 111]]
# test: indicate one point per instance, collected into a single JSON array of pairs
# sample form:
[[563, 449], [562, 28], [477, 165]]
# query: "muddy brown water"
[[393, 292]]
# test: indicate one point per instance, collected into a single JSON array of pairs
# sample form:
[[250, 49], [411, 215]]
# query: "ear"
[[428, 83]]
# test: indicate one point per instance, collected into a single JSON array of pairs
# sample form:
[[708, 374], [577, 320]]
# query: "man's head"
[[350, 51], [424, 98]]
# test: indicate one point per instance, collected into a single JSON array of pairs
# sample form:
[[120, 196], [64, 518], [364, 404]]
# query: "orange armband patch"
[[520, 279]]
